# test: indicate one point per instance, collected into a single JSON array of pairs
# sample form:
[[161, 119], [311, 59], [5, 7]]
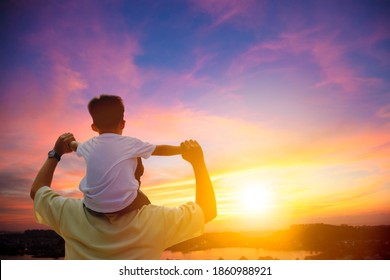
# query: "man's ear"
[[94, 128]]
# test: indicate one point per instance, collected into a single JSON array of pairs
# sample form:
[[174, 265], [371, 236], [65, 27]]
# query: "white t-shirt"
[[109, 184]]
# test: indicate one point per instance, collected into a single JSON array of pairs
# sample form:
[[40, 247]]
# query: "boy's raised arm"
[[167, 150]]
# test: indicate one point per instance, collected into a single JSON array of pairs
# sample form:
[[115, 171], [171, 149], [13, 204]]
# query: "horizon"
[[289, 101], [250, 232]]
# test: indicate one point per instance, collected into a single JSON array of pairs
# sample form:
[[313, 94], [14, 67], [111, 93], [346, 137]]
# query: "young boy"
[[110, 185]]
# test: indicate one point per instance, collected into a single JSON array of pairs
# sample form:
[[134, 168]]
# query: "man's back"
[[140, 234]]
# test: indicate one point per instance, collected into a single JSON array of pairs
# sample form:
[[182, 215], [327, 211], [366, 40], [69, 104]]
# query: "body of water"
[[236, 254]]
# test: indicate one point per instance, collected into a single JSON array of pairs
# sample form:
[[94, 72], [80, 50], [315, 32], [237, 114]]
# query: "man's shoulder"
[[48, 195], [175, 224], [42, 190], [156, 207], [185, 211]]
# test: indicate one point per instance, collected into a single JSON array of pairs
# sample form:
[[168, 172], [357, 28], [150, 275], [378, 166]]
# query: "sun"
[[255, 198]]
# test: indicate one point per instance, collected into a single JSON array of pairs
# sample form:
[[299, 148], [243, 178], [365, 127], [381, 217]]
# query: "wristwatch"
[[53, 154]]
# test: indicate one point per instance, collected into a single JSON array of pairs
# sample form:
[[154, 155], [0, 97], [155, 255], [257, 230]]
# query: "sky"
[[290, 101]]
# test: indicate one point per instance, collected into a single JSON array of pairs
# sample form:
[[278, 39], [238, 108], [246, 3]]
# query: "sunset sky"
[[290, 101]]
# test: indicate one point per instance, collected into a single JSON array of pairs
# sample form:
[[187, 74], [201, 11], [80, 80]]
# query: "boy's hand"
[[73, 145], [191, 151]]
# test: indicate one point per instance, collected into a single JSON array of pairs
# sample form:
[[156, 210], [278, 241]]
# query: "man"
[[140, 234]]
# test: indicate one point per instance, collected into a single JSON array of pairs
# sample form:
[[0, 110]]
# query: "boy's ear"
[[122, 124], [94, 128]]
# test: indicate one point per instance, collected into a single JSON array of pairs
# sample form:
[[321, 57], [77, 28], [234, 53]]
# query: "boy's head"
[[107, 112]]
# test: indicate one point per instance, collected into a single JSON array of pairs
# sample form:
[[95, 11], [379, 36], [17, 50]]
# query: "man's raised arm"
[[45, 174], [205, 197]]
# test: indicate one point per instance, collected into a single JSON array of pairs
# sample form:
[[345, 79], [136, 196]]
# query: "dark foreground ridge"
[[38, 243], [327, 242]]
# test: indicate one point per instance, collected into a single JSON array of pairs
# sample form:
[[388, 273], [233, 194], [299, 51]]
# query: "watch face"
[[53, 154]]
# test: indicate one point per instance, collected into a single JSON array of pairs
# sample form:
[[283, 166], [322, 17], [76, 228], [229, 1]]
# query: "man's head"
[[107, 112]]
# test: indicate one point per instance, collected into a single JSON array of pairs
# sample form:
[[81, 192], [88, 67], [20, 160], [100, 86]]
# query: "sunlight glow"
[[255, 198]]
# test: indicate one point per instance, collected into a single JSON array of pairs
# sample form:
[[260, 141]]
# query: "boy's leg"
[[139, 201], [139, 171], [141, 198]]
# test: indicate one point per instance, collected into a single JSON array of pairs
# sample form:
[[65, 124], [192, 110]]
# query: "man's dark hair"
[[106, 111]]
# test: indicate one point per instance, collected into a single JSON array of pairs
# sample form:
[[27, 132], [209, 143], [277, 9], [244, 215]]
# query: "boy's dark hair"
[[106, 111]]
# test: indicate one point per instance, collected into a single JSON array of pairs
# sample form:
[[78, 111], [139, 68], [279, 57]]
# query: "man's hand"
[[62, 145], [205, 197], [45, 174], [191, 151]]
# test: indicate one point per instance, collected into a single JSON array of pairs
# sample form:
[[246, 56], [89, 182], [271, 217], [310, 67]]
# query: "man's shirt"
[[140, 234]]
